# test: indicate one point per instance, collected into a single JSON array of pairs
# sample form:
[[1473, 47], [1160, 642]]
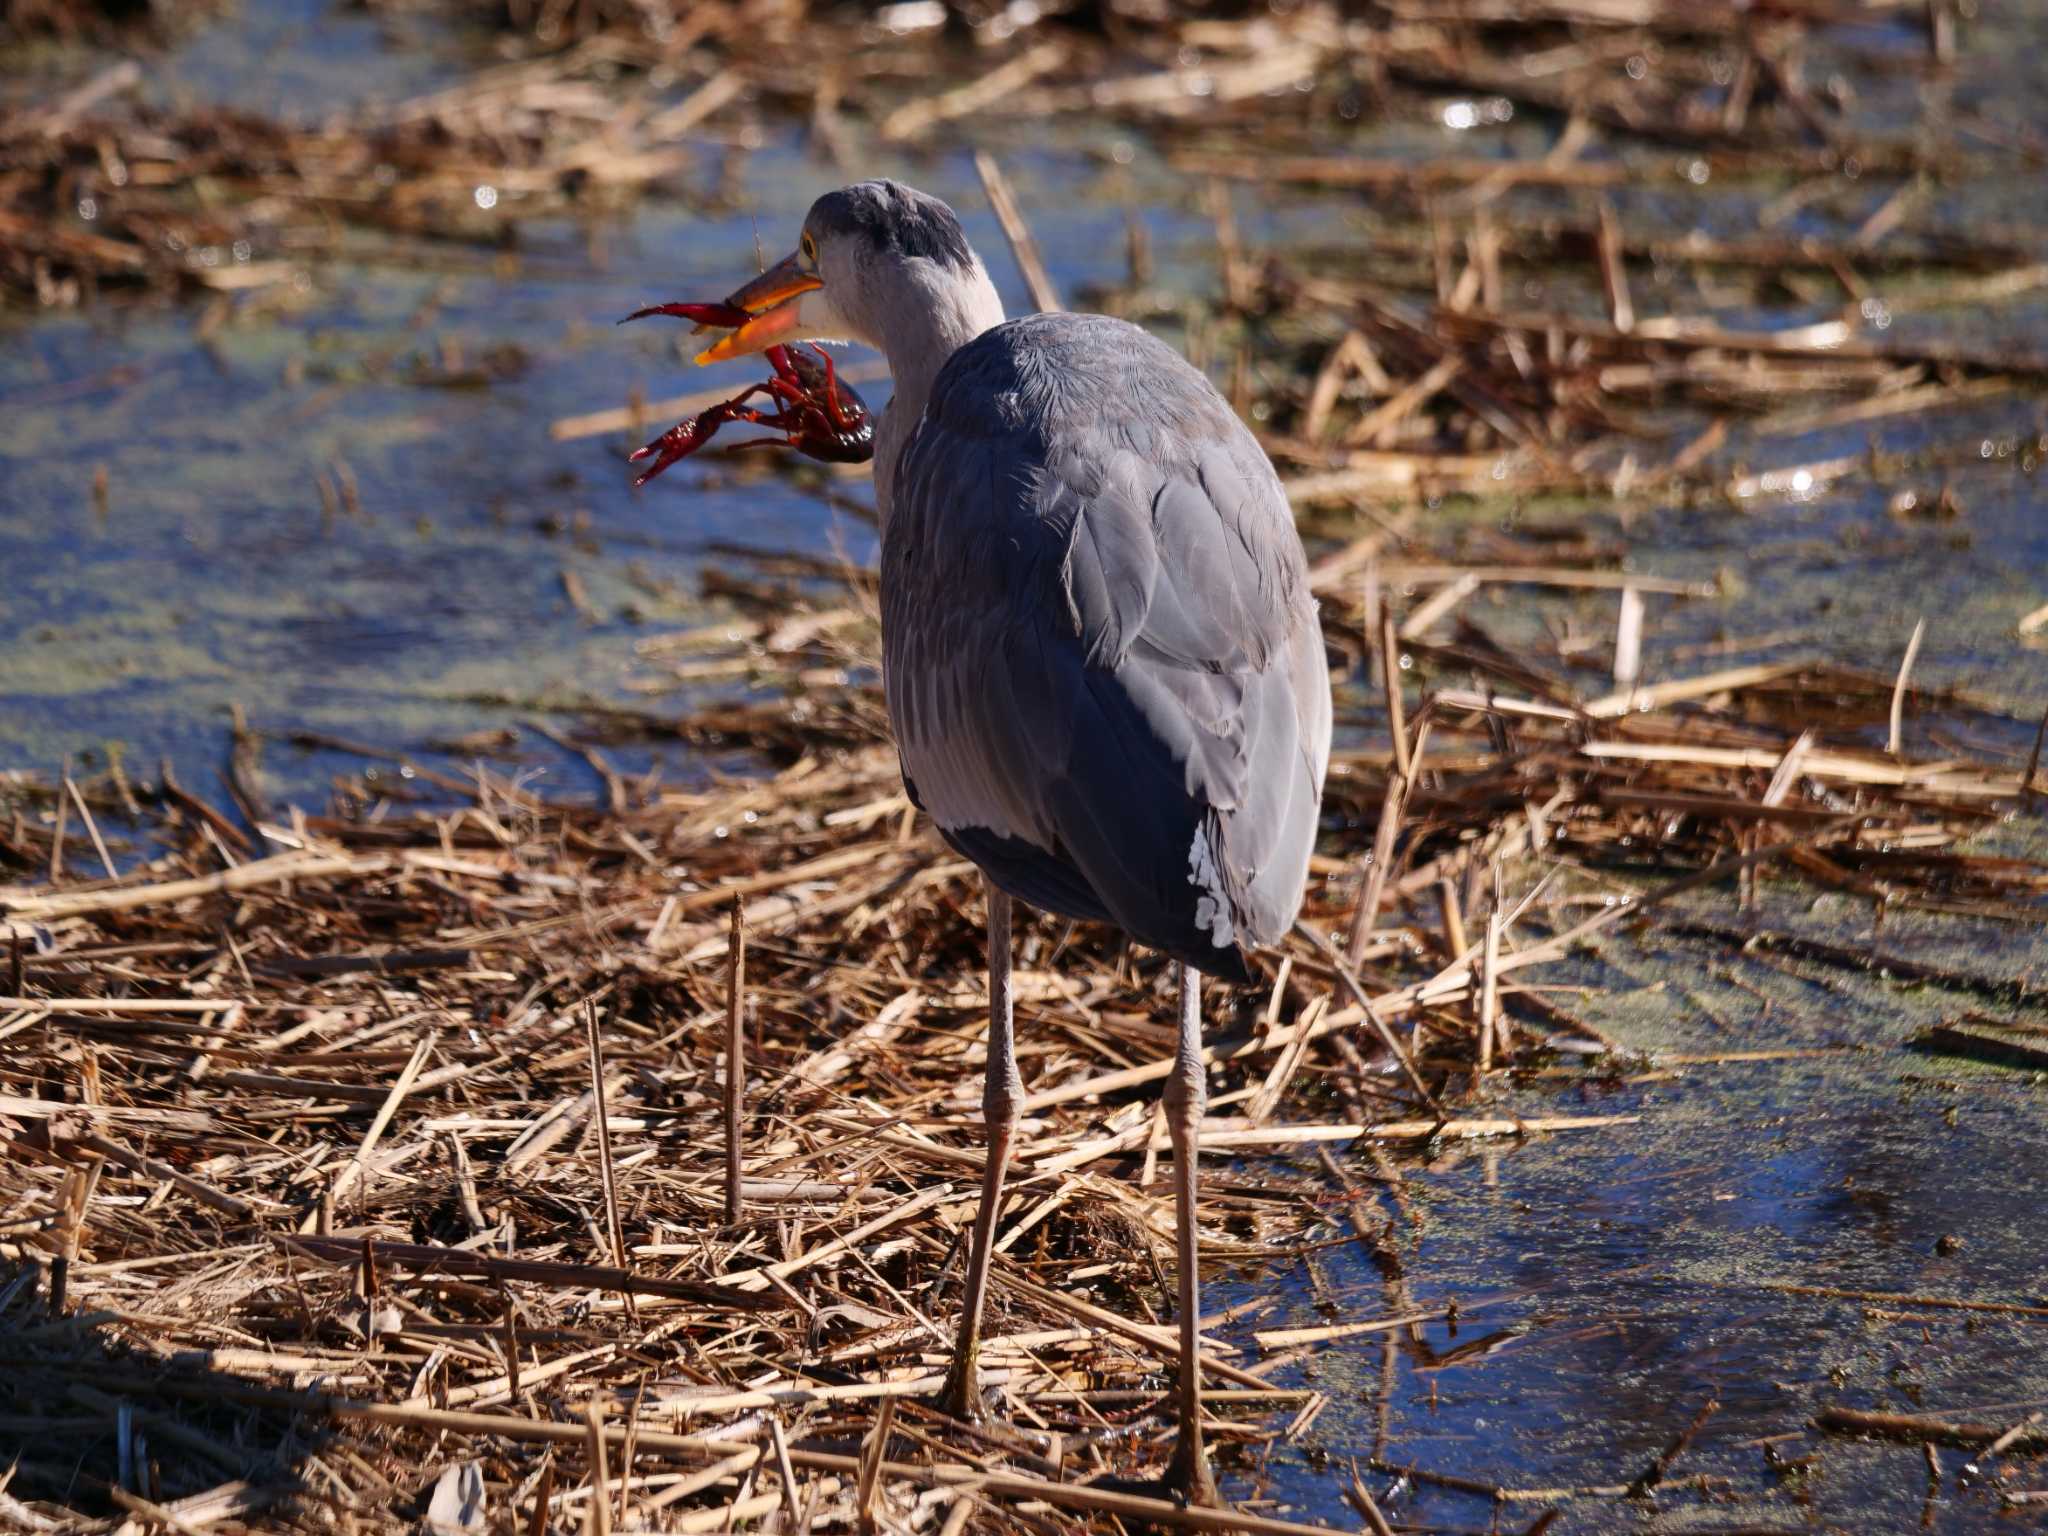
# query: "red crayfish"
[[816, 414]]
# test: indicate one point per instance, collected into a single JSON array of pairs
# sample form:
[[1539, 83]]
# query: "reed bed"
[[371, 1167], [1510, 324], [606, 99], [122, 23], [103, 196], [1716, 76]]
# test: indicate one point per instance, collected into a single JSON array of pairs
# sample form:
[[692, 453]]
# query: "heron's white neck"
[[940, 315]]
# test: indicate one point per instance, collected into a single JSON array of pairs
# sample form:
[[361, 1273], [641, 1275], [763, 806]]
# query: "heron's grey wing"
[[1102, 660]]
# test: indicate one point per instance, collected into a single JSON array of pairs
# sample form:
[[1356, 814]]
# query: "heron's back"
[[1103, 664]]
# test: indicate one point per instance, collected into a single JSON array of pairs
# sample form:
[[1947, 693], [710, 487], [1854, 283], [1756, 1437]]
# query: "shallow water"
[[1612, 1282], [215, 577], [1615, 1282]]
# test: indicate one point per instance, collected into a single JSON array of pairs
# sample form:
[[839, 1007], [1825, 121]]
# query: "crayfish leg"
[[840, 419]]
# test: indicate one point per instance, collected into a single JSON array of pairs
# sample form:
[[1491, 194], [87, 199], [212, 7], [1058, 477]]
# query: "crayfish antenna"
[[727, 316]]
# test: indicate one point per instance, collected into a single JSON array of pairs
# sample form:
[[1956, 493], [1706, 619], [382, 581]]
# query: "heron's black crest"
[[898, 219]]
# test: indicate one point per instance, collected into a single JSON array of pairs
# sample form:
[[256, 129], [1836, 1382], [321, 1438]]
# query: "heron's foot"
[[1187, 1481], [962, 1397], [1188, 1477]]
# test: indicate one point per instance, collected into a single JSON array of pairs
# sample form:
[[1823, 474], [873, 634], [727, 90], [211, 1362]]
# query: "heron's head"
[[878, 263]]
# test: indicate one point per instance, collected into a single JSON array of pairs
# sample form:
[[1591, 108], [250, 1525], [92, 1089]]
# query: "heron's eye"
[[810, 249]]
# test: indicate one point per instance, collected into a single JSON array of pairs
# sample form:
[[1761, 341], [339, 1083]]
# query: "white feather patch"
[[1212, 909]]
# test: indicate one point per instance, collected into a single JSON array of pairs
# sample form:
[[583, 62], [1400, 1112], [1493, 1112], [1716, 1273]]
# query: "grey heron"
[[1102, 662]]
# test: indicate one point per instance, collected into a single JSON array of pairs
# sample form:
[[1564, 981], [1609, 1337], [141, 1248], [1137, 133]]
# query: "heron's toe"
[[1189, 1479], [963, 1397]]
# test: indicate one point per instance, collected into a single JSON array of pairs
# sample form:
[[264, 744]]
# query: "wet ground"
[[485, 574], [1616, 1283]]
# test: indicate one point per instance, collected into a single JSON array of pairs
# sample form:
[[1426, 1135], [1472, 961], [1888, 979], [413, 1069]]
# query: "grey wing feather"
[[1103, 665]]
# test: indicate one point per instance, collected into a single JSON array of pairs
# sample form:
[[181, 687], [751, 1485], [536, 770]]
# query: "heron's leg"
[[1002, 1097], [1187, 1095]]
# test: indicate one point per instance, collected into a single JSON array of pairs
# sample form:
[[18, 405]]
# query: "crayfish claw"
[[677, 443]]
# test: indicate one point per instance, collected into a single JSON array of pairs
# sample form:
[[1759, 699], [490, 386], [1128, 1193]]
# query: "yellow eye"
[[810, 249]]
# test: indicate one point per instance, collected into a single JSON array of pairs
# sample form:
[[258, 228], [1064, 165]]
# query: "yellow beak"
[[772, 299]]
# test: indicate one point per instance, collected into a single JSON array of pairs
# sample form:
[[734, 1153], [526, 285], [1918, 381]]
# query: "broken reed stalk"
[[1489, 997], [1925, 1428], [1362, 1499], [595, 1040], [2027, 790], [1390, 669], [358, 1166], [1393, 811], [1455, 943], [84, 1185], [735, 1054], [511, 1321], [1366, 915], [543, 1496], [56, 865], [785, 1472], [957, 1515], [2019, 1431], [1628, 640], [99, 844], [1621, 312], [1897, 739], [1022, 246], [873, 1454], [1347, 977], [1653, 1474], [600, 1522]]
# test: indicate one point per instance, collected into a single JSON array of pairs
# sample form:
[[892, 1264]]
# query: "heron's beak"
[[774, 299]]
